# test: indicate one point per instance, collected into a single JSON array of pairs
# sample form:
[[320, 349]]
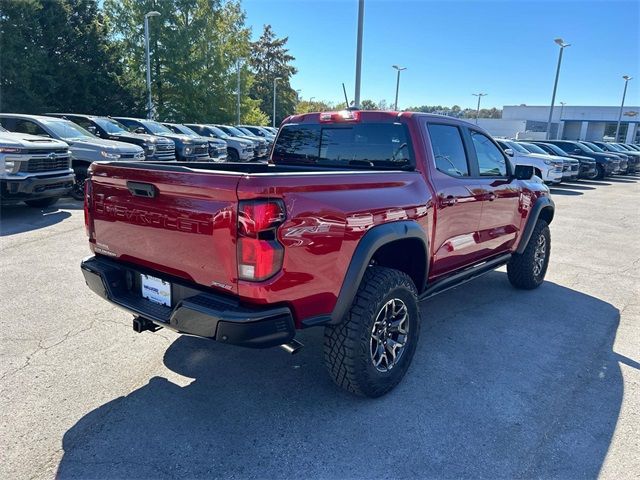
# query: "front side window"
[[491, 161], [448, 150]]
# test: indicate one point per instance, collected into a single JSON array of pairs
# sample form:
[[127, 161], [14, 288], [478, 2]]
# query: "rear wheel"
[[370, 351], [527, 270], [42, 202]]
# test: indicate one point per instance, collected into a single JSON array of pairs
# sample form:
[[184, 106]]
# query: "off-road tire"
[[521, 269], [42, 202], [347, 347]]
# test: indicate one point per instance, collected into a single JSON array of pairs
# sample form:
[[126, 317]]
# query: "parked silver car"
[[85, 147]]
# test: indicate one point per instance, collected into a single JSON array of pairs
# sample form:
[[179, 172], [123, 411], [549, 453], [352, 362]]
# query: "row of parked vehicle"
[[67, 143], [555, 161]]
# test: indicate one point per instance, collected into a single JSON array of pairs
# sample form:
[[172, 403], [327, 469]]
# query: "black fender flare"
[[540, 204], [370, 242]]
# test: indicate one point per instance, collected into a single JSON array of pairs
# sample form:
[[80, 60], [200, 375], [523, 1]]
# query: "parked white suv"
[[548, 168], [33, 170]]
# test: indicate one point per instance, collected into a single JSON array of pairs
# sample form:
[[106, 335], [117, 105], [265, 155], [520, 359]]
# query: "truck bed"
[[188, 229]]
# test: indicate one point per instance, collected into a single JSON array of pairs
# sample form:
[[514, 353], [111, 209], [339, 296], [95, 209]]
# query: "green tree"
[[196, 46], [55, 56], [270, 59]]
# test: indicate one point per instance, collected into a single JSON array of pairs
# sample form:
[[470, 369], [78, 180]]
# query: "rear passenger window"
[[491, 161], [448, 150]]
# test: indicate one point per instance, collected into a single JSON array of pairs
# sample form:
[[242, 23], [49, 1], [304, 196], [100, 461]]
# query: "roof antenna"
[[346, 99]]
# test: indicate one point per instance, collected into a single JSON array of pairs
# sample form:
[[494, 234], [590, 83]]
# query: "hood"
[[24, 140], [109, 145], [568, 159], [243, 141], [145, 137], [178, 137], [544, 157], [582, 158]]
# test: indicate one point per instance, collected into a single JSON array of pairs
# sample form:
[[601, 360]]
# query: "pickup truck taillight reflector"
[[260, 254], [88, 217]]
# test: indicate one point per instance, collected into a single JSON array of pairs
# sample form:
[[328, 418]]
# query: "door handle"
[[449, 200]]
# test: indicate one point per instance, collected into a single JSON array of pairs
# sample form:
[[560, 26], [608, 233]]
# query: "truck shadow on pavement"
[[19, 218], [504, 383]]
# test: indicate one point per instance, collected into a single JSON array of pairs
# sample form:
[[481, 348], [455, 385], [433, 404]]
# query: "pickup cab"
[[33, 170], [545, 167], [238, 149], [187, 148], [84, 146], [155, 148], [606, 164], [356, 218]]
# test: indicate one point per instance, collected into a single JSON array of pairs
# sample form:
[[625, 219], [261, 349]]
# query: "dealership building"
[[568, 123]]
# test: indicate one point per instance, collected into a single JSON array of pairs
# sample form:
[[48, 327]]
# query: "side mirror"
[[509, 152], [139, 130], [92, 129], [523, 172]]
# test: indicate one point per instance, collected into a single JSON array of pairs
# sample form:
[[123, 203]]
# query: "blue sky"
[[455, 48]]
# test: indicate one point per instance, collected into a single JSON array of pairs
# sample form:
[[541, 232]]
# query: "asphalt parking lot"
[[505, 383]]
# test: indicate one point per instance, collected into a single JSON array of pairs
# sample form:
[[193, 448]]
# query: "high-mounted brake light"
[[341, 116], [260, 255]]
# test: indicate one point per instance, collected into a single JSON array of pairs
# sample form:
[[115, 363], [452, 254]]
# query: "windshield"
[[217, 132], [184, 130], [67, 130], [517, 148], [234, 131], [593, 146], [110, 126], [533, 148], [555, 149], [615, 147], [155, 127], [365, 145], [246, 131]]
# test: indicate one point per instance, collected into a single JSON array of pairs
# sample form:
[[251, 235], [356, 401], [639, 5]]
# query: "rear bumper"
[[33, 188], [194, 310]]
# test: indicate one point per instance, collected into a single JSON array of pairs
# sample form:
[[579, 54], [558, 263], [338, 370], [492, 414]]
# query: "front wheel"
[[77, 193], [232, 153], [601, 173], [370, 351], [527, 270]]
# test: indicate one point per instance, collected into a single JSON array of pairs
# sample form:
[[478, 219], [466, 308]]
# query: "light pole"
[[624, 94], [562, 104], [238, 89], [479, 95], [148, 58], [562, 45], [356, 97], [399, 69], [275, 82]]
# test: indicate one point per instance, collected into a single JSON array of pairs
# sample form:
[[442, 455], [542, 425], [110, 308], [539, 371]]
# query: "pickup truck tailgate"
[[181, 223]]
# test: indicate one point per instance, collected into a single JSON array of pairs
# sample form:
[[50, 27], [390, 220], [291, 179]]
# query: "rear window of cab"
[[353, 145]]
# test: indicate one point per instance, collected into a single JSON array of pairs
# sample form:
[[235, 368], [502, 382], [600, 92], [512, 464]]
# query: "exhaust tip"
[[292, 347]]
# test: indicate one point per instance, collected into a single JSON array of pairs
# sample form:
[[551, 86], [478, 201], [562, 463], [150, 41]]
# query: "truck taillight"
[[88, 217], [260, 254]]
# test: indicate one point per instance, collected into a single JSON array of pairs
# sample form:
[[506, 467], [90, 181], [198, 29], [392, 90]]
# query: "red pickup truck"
[[356, 218]]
